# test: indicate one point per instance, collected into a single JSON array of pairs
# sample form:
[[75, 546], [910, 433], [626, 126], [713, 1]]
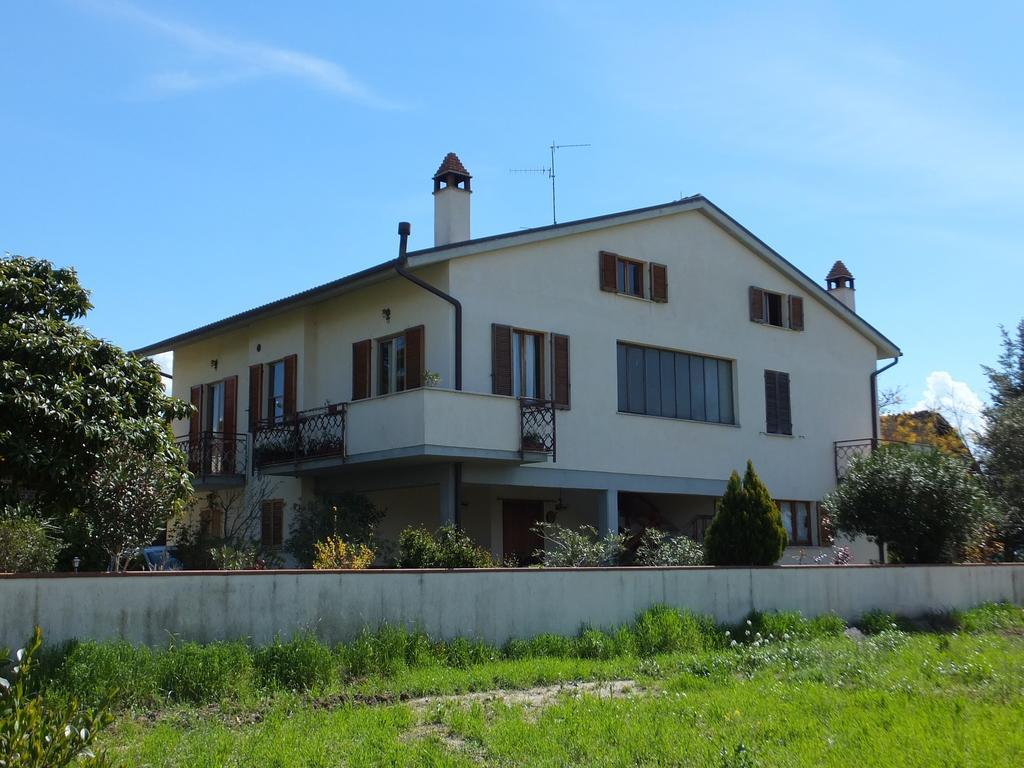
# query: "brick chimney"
[[451, 201], [840, 284]]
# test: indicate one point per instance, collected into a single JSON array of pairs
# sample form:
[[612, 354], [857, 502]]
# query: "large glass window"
[[275, 392], [215, 407], [797, 519], [660, 382], [391, 366], [629, 277]]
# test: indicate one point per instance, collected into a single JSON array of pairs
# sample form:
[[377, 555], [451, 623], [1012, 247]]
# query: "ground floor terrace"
[[500, 504]]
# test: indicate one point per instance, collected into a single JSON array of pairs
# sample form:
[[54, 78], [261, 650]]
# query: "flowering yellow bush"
[[335, 552]]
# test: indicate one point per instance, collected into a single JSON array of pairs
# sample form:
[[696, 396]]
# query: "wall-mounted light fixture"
[[213, 364], [386, 314]]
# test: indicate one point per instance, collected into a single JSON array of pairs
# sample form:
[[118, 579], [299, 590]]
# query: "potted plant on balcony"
[[533, 441]]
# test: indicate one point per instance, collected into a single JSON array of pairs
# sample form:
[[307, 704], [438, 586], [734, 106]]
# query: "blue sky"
[[195, 159]]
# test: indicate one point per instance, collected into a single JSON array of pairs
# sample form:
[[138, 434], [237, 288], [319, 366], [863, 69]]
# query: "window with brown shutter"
[[361, 351], [756, 304], [560, 370], [291, 373], [255, 395], [195, 421], [659, 282], [501, 359], [272, 523], [414, 357], [796, 313], [778, 414], [606, 262], [230, 405]]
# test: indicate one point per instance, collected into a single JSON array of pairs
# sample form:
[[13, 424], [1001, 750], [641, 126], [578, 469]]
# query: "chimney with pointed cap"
[[840, 284], [451, 201]]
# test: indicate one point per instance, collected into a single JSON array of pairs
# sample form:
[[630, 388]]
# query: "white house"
[[610, 371]]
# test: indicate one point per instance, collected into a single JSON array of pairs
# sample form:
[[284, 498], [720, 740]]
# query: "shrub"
[[26, 542], [595, 644], [335, 552], [197, 673], [568, 548], [89, 670], [876, 622], [301, 664], [788, 625], [925, 505], [659, 548], [665, 630], [448, 547], [747, 528], [383, 652], [462, 653], [990, 617], [350, 516], [39, 730]]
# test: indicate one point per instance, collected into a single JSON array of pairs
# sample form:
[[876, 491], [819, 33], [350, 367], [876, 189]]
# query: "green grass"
[[818, 699]]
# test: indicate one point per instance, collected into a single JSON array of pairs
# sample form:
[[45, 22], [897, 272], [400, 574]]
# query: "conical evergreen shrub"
[[747, 528]]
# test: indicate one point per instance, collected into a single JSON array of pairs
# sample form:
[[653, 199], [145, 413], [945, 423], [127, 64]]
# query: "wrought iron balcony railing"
[[537, 426], [848, 450], [215, 454], [312, 434]]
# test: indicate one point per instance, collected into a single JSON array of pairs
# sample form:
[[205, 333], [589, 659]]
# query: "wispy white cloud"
[[221, 60], [953, 399]]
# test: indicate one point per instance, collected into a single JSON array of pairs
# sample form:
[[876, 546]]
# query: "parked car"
[[156, 558]]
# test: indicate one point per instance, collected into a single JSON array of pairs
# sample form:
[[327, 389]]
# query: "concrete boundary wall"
[[493, 605]]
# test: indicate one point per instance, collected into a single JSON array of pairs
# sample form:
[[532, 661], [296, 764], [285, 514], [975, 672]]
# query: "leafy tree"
[[27, 544], [447, 547], [351, 516], [67, 399], [659, 548], [131, 497], [926, 506], [924, 428], [1002, 441], [747, 528]]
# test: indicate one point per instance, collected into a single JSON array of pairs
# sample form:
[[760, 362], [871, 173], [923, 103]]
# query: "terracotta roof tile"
[[452, 164], [838, 270]]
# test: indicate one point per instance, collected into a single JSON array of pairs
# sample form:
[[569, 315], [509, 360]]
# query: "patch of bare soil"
[[530, 697]]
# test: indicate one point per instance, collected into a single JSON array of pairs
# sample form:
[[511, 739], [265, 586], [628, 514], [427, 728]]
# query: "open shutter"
[[756, 304], [291, 373], [796, 313], [785, 414], [607, 271], [560, 370], [414, 357], [501, 359], [659, 282], [255, 396], [361, 369], [267, 523], [195, 421], [771, 402]]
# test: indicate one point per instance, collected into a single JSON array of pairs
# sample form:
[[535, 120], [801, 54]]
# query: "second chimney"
[[451, 201], [840, 284]]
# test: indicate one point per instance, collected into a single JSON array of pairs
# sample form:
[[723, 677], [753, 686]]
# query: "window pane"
[[668, 384], [697, 388], [399, 342], [517, 364], [620, 275], [652, 382], [635, 379], [803, 521], [623, 398], [682, 386], [532, 369], [725, 392], [384, 373], [634, 279], [787, 518], [277, 377], [711, 389], [215, 416]]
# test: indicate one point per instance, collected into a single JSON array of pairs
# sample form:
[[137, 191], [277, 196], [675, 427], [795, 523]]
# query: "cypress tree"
[[747, 528]]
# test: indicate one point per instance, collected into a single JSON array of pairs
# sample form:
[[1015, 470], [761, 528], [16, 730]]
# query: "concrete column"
[[608, 512], [451, 493]]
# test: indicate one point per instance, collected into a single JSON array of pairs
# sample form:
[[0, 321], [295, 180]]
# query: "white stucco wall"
[[492, 605]]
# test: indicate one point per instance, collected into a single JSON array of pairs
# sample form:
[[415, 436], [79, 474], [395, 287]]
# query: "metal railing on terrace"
[[216, 454], [311, 434]]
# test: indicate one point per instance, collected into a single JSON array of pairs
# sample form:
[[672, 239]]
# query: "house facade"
[[610, 371]]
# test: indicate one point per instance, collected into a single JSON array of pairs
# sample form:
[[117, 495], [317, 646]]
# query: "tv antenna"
[[550, 171]]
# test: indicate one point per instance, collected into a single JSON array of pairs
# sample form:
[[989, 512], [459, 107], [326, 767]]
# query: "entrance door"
[[517, 535]]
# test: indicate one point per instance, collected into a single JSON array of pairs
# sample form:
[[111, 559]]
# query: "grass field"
[[820, 698]]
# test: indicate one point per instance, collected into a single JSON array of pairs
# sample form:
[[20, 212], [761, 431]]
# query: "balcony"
[[216, 459], [416, 426], [848, 450]]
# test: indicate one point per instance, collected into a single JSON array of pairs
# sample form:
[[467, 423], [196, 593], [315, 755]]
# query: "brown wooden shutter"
[[255, 396], [785, 413], [560, 370], [361, 351], [659, 282], [267, 523], [771, 402], [195, 421], [291, 375], [230, 405], [414, 357], [796, 313], [501, 359], [607, 271], [756, 304]]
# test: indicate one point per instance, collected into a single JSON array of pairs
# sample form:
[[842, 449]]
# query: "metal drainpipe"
[[404, 228], [874, 429], [403, 233]]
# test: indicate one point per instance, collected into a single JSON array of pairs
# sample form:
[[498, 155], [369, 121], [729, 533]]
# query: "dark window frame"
[[795, 540], [402, 376], [270, 401], [520, 338], [623, 265]]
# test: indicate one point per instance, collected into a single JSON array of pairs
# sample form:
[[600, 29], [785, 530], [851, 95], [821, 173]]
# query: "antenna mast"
[[550, 171]]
